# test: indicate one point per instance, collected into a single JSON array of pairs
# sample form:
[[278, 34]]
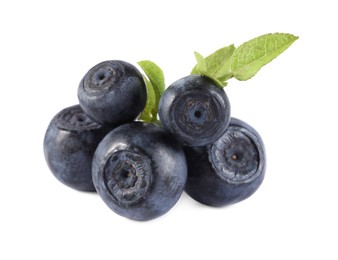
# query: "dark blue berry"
[[195, 110], [139, 171], [112, 93], [69, 145], [229, 170]]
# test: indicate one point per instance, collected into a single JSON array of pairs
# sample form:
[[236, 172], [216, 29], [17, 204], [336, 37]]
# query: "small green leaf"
[[216, 66], [251, 56], [218, 63], [154, 79], [201, 66], [154, 74], [147, 114]]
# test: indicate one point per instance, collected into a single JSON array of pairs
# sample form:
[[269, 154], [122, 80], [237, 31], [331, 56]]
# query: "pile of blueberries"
[[140, 169]]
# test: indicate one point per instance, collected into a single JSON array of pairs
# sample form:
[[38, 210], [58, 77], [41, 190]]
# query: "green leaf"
[[201, 66], [216, 66], [154, 74], [147, 114], [154, 79], [251, 56], [218, 63]]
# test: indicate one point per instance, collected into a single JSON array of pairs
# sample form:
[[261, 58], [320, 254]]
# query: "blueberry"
[[195, 110], [69, 145], [112, 93], [229, 170], [139, 171]]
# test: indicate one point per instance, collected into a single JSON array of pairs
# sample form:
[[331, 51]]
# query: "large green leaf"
[[251, 56]]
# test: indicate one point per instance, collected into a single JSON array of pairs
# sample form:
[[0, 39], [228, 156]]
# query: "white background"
[[47, 46]]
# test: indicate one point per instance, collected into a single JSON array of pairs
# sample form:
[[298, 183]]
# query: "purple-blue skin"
[[112, 93], [139, 171], [229, 170], [69, 145], [194, 110]]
